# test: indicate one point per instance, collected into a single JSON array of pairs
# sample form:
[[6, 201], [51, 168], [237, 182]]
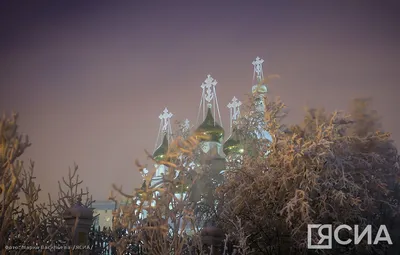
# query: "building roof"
[[104, 205]]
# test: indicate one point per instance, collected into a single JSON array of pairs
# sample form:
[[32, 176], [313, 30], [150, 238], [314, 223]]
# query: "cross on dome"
[[209, 100], [165, 127], [234, 106], [208, 87], [186, 124], [257, 63], [234, 109], [165, 119]]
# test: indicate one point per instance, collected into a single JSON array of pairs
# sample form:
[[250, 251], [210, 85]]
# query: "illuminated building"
[[215, 151]]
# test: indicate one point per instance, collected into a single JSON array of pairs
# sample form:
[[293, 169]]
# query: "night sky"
[[89, 79]]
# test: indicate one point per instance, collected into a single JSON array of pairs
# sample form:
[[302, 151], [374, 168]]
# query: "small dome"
[[211, 129], [233, 145], [142, 191], [144, 185], [259, 89], [161, 152]]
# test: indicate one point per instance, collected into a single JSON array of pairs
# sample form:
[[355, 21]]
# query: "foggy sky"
[[90, 79]]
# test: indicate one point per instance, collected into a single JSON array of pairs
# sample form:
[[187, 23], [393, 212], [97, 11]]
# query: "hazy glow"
[[89, 79]]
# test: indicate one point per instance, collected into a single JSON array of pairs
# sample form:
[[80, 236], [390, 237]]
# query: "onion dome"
[[142, 191], [259, 89], [210, 129], [161, 152], [233, 145], [144, 185]]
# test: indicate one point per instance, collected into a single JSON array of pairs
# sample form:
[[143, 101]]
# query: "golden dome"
[[233, 145], [210, 129], [161, 152]]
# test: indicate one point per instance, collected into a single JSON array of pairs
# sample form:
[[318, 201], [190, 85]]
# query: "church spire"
[[165, 129], [161, 151], [233, 147], [234, 109], [210, 131]]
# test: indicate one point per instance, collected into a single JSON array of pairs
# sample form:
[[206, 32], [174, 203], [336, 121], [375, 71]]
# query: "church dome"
[[211, 129], [233, 145], [259, 89], [161, 152], [142, 191]]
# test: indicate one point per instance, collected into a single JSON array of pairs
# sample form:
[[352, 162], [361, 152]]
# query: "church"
[[218, 149]]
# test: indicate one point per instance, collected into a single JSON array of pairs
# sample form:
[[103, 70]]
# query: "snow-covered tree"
[[331, 169]]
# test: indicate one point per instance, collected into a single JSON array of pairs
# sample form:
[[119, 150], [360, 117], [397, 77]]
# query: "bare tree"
[[24, 222]]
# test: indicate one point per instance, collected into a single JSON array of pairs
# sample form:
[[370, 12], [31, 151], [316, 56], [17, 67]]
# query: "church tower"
[[211, 136], [233, 146], [259, 91]]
